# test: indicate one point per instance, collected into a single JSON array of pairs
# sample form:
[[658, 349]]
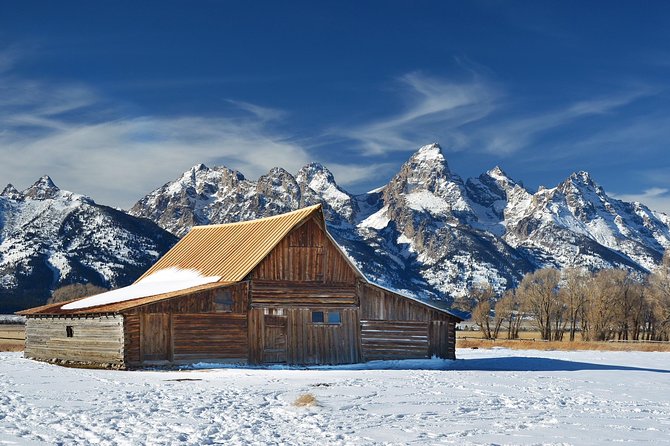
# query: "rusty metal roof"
[[231, 250], [117, 307]]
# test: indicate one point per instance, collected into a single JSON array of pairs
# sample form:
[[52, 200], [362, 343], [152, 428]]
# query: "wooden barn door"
[[274, 339], [155, 334]]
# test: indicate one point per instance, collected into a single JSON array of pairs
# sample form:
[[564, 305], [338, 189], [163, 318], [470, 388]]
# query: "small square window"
[[334, 317], [317, 317], [223, 301], [69, 331]]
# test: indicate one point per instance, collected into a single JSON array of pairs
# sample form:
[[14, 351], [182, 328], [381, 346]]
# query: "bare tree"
[[74, 291], [483, 297], [510, 312], [574, 294], [659, 300], [606, 291], [539, 292]]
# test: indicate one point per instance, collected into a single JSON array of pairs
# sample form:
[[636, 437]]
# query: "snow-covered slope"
[[428, 231], [50, 237]]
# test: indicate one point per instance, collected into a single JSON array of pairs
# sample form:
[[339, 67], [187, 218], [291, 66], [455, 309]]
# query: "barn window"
[[223, 301], [334, 317], [323, 317], [69, 331]]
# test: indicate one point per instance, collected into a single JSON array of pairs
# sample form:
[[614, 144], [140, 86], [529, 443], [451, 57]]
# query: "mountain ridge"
[[429, 232], [50, 237]]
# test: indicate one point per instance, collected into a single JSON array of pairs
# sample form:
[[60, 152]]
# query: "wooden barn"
[[273, 290]]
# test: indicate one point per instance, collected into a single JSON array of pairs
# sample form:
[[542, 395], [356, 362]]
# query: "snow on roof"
[[163, 281]]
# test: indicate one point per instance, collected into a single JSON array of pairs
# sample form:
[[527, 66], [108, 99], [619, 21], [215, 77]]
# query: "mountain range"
[[427, 231]]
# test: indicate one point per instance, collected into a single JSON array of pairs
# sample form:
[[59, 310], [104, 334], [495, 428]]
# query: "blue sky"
[[113, 99]]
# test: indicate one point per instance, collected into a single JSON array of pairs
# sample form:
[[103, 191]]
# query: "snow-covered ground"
[[486, 397]]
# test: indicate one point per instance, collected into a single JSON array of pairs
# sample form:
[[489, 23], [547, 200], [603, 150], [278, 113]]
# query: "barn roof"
[[231, 251]]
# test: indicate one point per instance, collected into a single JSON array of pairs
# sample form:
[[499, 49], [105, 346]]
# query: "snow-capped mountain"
[[428, 231], [50, 237]]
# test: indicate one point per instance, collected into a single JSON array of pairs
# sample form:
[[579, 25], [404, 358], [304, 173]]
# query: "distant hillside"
[[50, 237]]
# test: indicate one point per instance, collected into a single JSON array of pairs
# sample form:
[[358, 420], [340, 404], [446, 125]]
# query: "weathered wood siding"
[[155, 337], [201, 302], [210, 337], [96, 340], [208, 325], [380, 308], [305, 342], [305, 255], [131, 336], [394, 339], [275, 293], [380, 304], [442, 336]]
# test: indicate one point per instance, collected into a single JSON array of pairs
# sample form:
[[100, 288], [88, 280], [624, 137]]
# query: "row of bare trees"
[[608, 304]]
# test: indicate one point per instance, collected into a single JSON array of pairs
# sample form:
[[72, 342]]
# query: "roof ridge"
[[256, 220]]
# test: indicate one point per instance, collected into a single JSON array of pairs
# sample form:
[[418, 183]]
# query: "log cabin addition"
[[277, 290]]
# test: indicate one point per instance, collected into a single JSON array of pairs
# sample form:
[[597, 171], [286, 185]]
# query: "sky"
[[114, 99]]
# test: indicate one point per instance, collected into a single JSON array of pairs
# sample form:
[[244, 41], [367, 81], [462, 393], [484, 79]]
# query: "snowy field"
[[486, 397]]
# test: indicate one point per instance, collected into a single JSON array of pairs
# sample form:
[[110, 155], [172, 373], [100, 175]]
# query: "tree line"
[[596, 306]]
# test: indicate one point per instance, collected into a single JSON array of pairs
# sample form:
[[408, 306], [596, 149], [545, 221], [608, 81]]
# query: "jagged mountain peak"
[[278, 172], [429, 157], [582, 183], [427, 170], [44, 188], [311, 170], [318, 185], [499, 175], [11, 192], [317, 177], [199, 167], [582, 178]]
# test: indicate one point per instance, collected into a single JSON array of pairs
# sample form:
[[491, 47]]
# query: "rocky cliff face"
[[428, 231], [50, 237]]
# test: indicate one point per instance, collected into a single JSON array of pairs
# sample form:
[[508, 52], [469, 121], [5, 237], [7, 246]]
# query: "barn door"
[[274, 339], [155, 334]]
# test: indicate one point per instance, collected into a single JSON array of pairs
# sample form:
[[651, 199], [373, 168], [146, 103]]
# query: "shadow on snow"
[[497, 364]]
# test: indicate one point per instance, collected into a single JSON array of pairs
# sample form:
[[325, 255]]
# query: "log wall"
[[95, 340], [382, 308], [275, 293], [210, 337], [394, 340]]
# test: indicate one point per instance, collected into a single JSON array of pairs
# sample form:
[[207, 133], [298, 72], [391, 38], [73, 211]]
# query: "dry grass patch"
[[305, 400], [11, 346], [12, 338], [564, 345]]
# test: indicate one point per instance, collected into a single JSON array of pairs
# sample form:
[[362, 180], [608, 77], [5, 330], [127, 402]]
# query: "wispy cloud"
[[656, 198], [475, 115], [433, 106], [262, 113], [92, 146], [507, 135]]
